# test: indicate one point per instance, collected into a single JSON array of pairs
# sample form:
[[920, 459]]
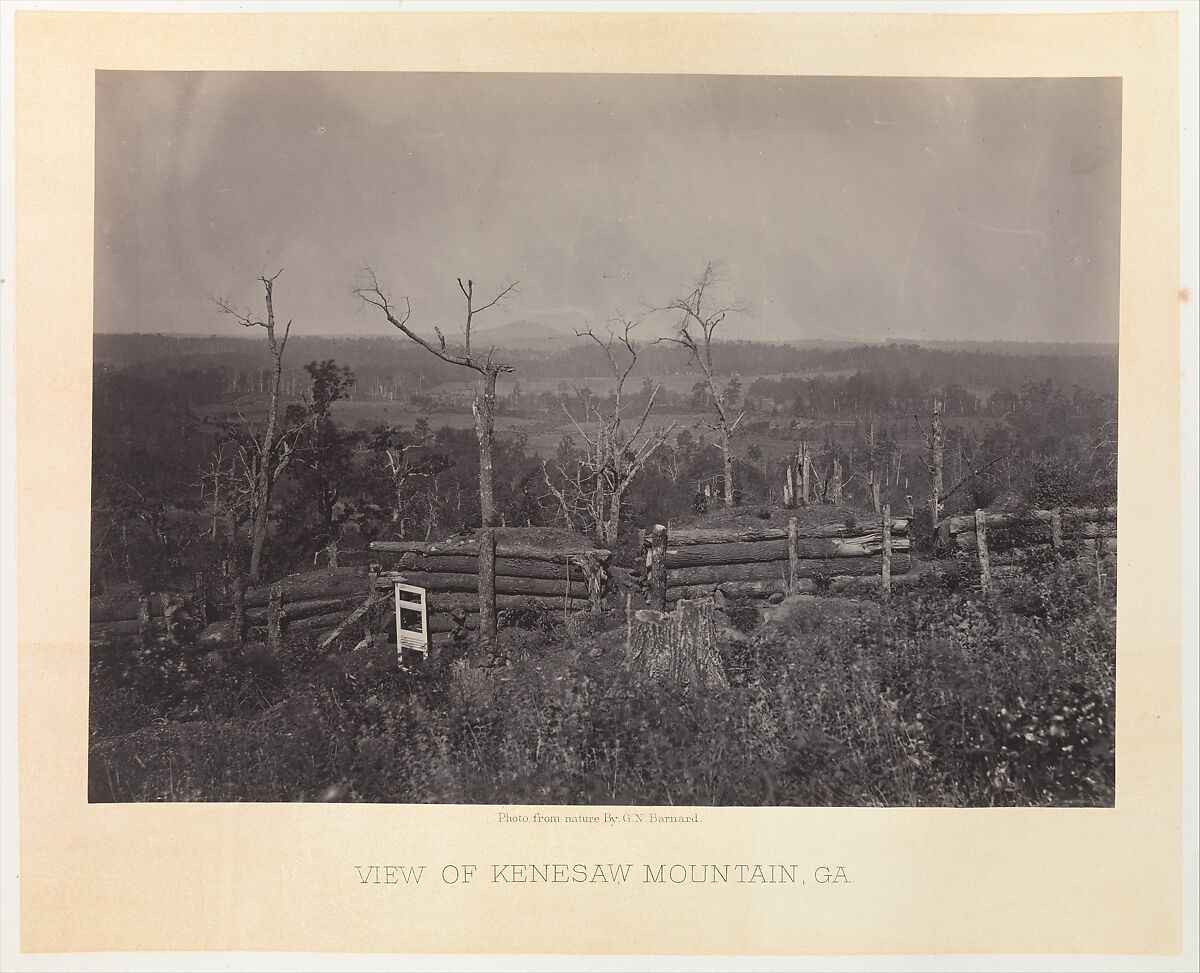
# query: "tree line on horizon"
[[178, 488]]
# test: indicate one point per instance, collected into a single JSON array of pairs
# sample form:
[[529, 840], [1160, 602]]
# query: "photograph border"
[[280, 877]]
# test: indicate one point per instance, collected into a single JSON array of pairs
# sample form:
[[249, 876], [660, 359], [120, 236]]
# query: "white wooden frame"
[[411, 598]]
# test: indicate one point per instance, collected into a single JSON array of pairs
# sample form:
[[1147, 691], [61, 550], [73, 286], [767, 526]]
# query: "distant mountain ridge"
[[524, 334]]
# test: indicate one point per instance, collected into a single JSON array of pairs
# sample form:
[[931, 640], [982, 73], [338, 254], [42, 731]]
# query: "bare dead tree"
[[371, 292], [873, 467], [404, 466], [614, 454], [271, 459], [699, 318], [213, 474], [935, 442]]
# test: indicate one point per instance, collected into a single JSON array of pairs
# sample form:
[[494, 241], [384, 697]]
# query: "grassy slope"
[[940, 697]]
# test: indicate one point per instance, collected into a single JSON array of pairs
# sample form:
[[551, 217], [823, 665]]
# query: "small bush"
[[936, 697]]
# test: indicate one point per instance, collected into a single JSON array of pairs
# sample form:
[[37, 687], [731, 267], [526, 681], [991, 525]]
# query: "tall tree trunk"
[[937, 447], [727, 450], [613, 527], [485, 423], [265, 472], [487, 588]]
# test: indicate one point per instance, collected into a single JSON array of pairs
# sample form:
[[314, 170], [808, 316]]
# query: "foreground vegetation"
[[938, 697]]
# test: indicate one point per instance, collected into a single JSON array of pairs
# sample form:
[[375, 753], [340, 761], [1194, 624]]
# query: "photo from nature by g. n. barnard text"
[[604, 439]]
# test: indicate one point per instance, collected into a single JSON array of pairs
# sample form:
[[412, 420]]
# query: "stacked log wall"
[[1089, 528], [757, 562], [554, 580]]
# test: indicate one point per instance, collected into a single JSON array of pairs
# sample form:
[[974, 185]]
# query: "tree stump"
[[677, 648], [985, 568]]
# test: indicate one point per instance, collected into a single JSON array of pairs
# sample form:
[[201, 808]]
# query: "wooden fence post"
[[200, 603], [594, 577], [805, 495], [275, 619], [628, 621], [985, 569], [658, 568], [1056, 528], [793, 555], [789, 489], [835, 488], [487, 587], [241, 582], [886, 579], [143, 617]]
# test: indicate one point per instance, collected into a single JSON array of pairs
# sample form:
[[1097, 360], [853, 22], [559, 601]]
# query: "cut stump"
[[678, 648]]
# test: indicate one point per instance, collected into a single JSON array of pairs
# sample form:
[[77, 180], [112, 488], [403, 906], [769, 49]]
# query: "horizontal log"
[[505, 566], [443, 624], [966, 541], [439, 601], [868, 585], [469, 547], [750, 552], [687, 536], [736, 589], [330, 583], [442, 581], [716, 574], [295, 611], [326, 621], [124, 608], [966, 522], [121, 627]]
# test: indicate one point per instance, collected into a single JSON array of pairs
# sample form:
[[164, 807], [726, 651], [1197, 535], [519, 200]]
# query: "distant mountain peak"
[[522, 334]]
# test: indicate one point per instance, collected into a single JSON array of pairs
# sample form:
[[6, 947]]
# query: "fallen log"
[[738, 589], [319, 623], [447, 601], [442, 623], [469, 547], [330, 583], [868, 585], [774, 570], [687, 536], [966, 522], [295, 611], [505, 567], [124, 626], [861, 545], [441, 581], [965, 541], [123, 609]]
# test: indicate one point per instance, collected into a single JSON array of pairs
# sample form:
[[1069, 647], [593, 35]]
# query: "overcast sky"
[[840, 207]]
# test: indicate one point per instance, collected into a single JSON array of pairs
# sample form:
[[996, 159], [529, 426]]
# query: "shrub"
[[936, 697]]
